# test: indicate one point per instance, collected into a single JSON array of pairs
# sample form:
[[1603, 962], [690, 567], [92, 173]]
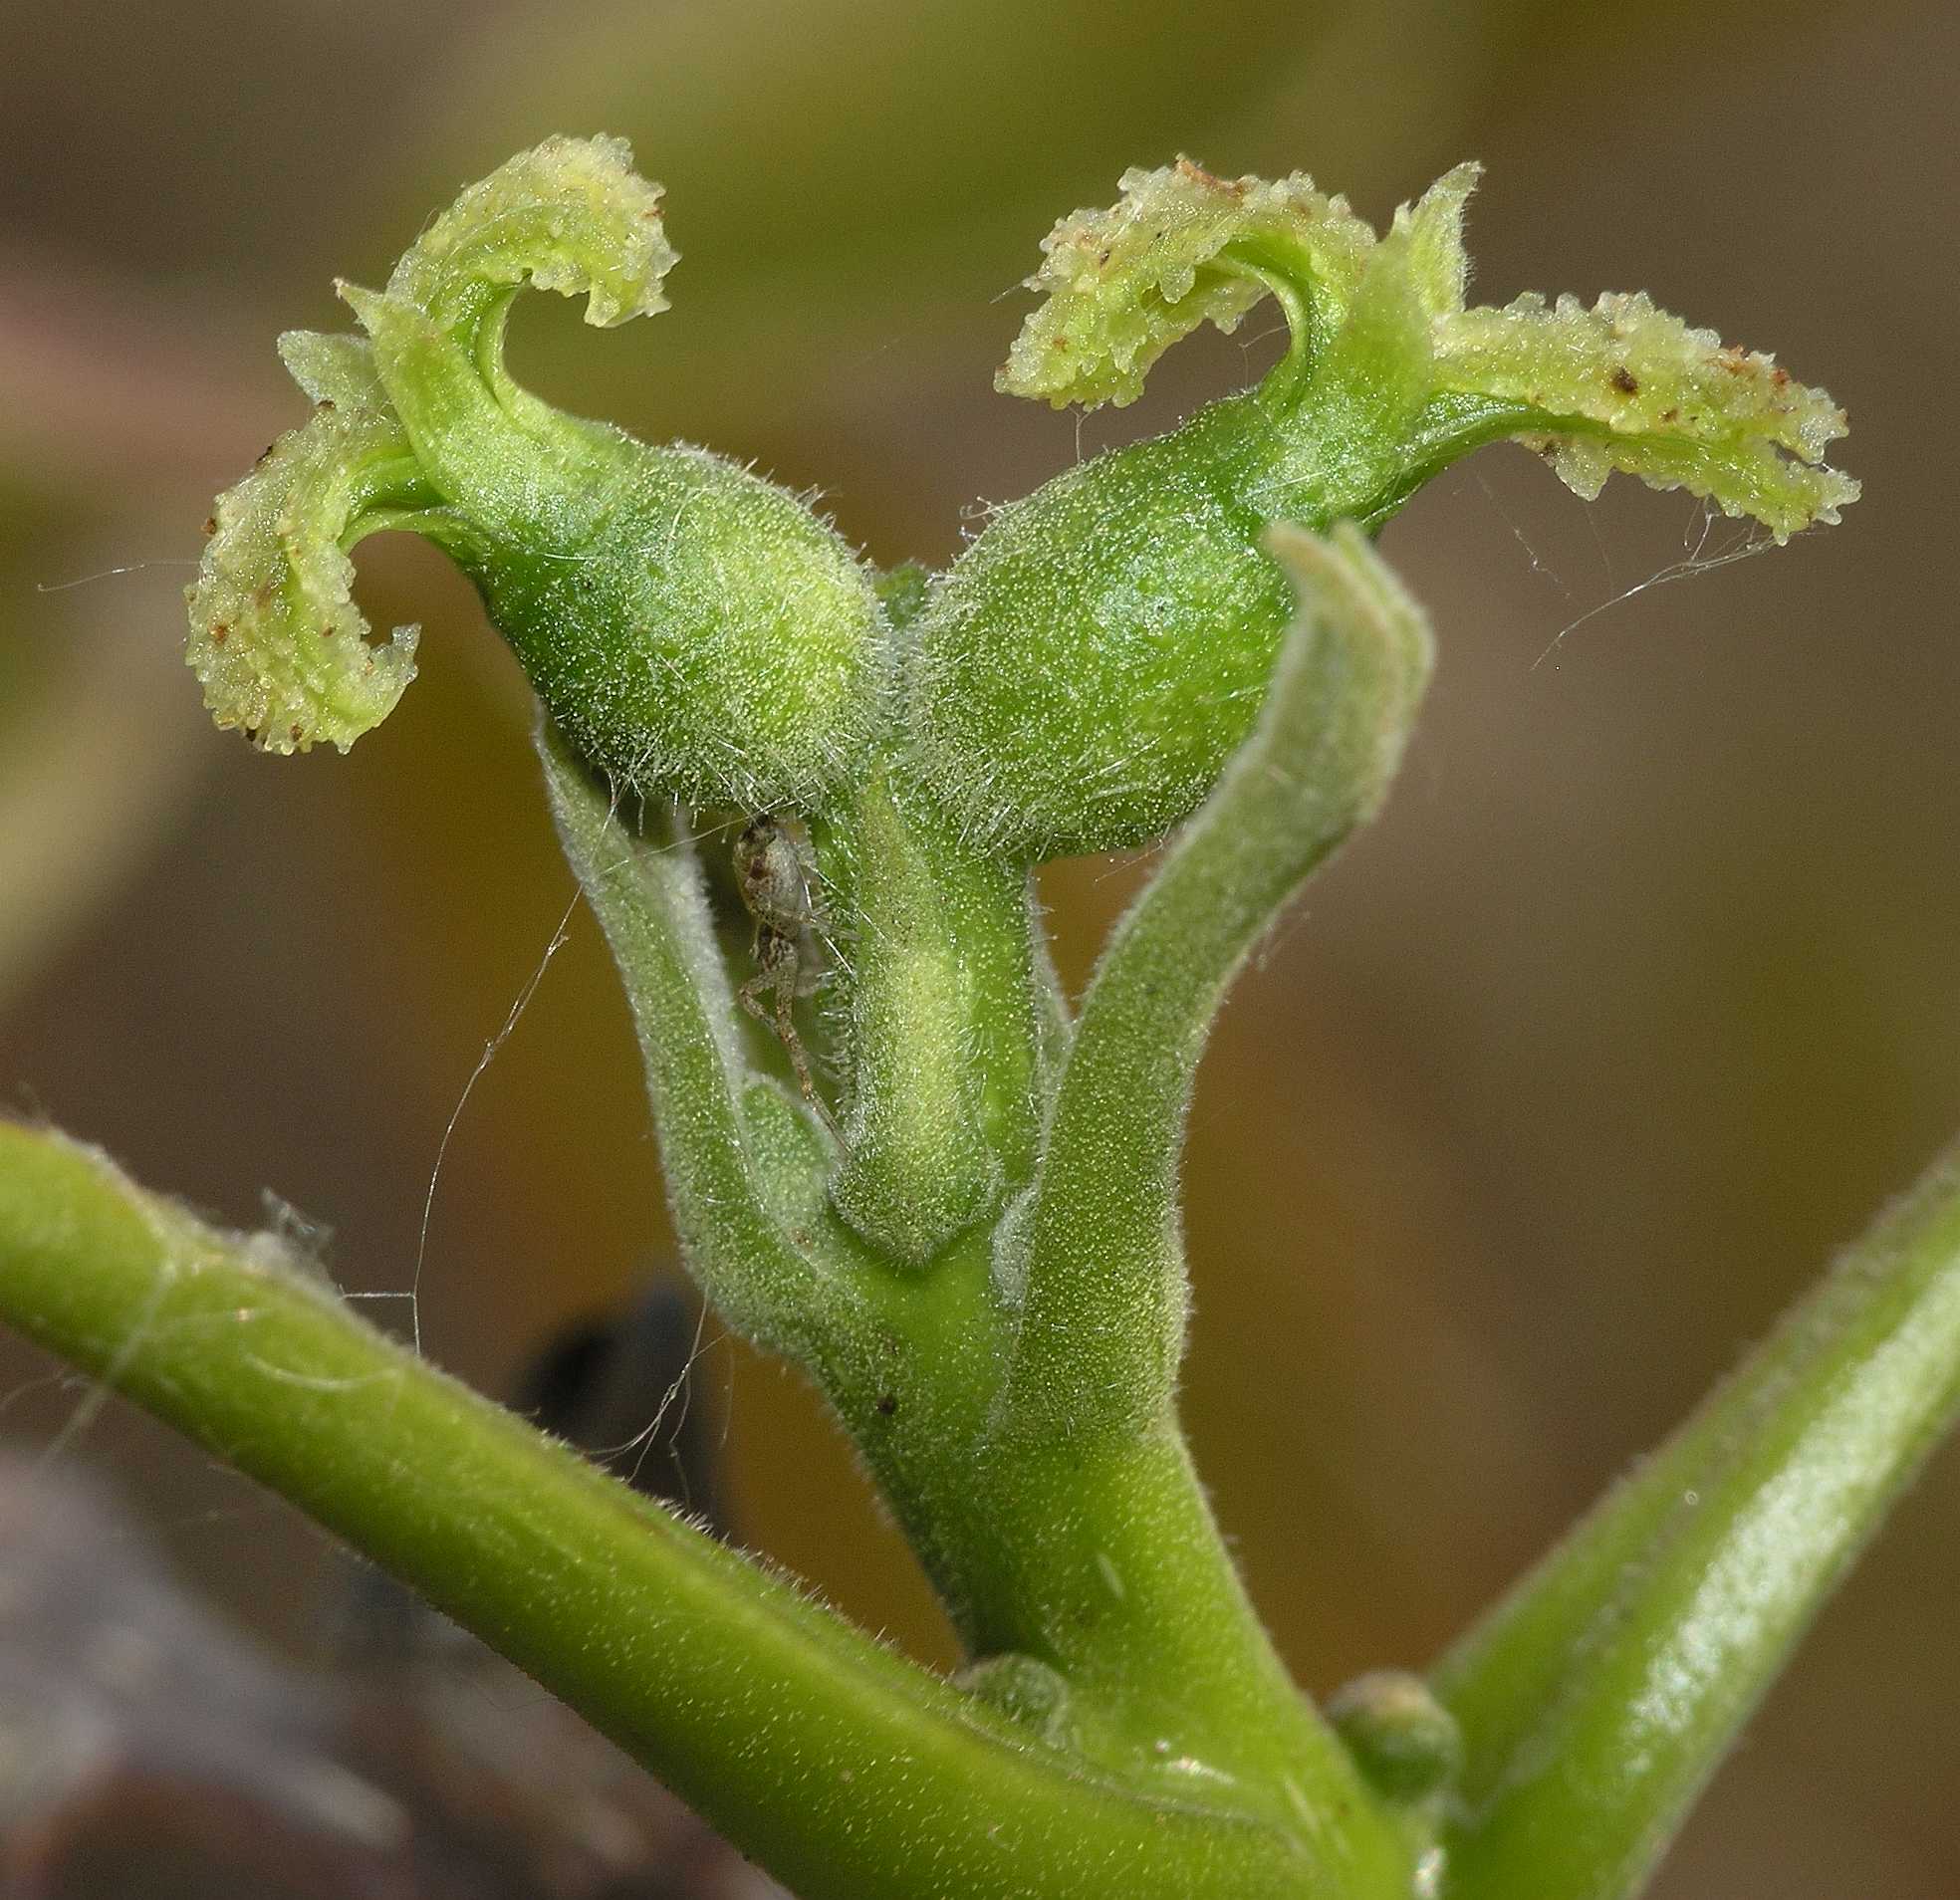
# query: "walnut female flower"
[[694, 629], [1093, 658]]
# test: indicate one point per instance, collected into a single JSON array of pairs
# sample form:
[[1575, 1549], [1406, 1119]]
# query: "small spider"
[[773, 875]]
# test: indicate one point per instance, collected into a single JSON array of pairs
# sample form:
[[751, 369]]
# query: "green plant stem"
[[1077, 1530], [1093, 1553], [1598, 1697], [1104, 1561], [847, 1772]]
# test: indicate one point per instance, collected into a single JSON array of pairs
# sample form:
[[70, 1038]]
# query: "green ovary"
[[1090, 662], [713, 641]]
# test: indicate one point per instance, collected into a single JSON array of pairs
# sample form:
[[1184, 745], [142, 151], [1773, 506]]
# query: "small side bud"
[[1402, 1739], [1025, 1690], [903, 591]]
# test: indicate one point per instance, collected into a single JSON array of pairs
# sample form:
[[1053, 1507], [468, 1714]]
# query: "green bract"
[[694, 629], [1085, 669]]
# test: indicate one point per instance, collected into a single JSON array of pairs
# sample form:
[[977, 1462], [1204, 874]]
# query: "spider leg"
[[779, 974]]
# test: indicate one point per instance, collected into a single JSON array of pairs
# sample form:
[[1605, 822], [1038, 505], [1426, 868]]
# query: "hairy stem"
[[1601, 1695], [1080, 1535]]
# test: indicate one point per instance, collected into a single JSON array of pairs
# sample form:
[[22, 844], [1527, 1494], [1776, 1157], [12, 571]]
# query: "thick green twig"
[[847, 1772]]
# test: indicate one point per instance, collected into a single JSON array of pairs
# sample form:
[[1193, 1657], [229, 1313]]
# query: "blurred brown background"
[[1567, 1077]]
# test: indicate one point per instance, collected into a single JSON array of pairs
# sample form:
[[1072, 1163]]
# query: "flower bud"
[[1404, 1740]]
